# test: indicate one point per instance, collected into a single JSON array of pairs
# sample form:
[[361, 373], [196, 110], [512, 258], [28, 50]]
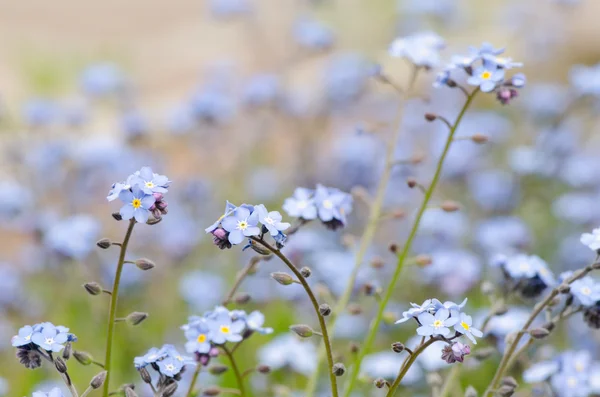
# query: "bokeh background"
[[245, 100]]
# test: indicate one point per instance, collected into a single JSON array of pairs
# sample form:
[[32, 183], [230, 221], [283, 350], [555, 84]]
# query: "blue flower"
[[229, 208], [229, 8], [137, 204], [261, 90], [23, 337], [592, 240], [421, 49], [486, 51], [223, 329], [435, 324], [55, 392], [150, 182], [73, 237], [464, 325], [486, 76], [198, 337], [312, 34], [449, 305], [255, 321], [152, 356], [172, 352], [49, 337], [586, 291], [271, 220], [416, 310], [301, 204], [101, 79], [288, 351], [332, 204], [170, 366], [240, 224]]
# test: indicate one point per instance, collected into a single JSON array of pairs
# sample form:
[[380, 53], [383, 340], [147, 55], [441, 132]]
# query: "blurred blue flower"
[[585, 79], [332, 204], [437, 324], [421, 49], [262, 90], [545, 100], [312, 34], [523, 266], [241, 223], [73, 237], [288, 351], [102, 79], [442, 271], [56, 392], [591, 240], [345, 78], [40, 112], [571, 255], [486, 76], [136, 204], [301, 204], [581, 170], [212, 106], [271, 220], [586, 291], [11, 285], [201, 290], [255, 322], [502, 234], [180, 120], [385, 365], [568, 374], [229, 8], [134, 124], [577, 207], [494, 190]]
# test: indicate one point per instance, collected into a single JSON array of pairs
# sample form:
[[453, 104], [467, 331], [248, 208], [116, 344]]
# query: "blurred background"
[[246, 100]]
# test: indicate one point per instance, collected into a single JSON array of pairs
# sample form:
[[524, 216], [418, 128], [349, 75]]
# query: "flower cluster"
[[331, 206], [486, 70], [166, 360], [527, 274], [435, 319], [55, 392], [584, 293], [142, 195], [421, 49], [40, 340], [218, 327], [241, 223]]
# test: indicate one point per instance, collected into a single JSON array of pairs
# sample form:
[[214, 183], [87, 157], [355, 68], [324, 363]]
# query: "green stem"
[[315, 303], [449, 382], [194, 380], [406, 250], [368, 233], [113, 307], [236, 371], [407, 364]]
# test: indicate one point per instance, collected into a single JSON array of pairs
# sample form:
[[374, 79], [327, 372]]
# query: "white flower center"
[[586, 290], [303, 204], [150, 184], [170, 367], [327, 204], [572, 381], [242, 225], [49, 341], [269, 220]]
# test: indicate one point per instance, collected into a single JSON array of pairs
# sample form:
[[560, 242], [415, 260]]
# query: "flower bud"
[[479, 138], [220, 238], [393, 248], [170, 390], [324, 309], [282, 278], [471, 392], [564, 288], [98, 380], [93, 288], [60, 365], [430, 117], [242, 299], [354, 348], [539, 333], [595, 265], [145, 375], [136, 318], [129, 392], [377, 263], [505, 391], [66, 354], [263, 369], [104, 243], [306, 272], [302, 330], [338, 369], [411, 182], [509, 381], [397, 347], [218, 369], [84, 358], [117, 216], [144, 264], [212, 391], [450, 206], [500, 310], [379, 383]]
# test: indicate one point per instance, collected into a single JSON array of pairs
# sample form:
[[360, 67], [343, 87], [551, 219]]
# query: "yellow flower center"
[[179, 358], [579, 367], [486, 75], [328, 204], [201, 338], [465, 325], [437, 323], [572, 381], [242, 225], [225, 329], [586, 290], [150, 184], [136, 203]]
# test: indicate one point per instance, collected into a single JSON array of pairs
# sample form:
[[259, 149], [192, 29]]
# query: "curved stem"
[[369, 232], [236, 371], [113, 307], [406, 249], [315, 304], [407, 364], [194, 380]]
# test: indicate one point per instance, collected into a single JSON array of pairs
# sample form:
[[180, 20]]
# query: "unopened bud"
[[479, 138], [218, 369], [450, 206], [66, 354], [242, 299], [136, 318], [282, 278], [338, 369], [397, 347], [306, 272], [500, 310], [117, 216], [104, 243], [145, 375], [60, 365], [389, 317], [354, 309], [302, 330], [539, 333], [144, 264], [451, 83], [596, 265], [471, 392], [423, 260], [393, 248], [263, 369], [129, 392], [211, 391], [353, 348], [369, 289], [379, 383], [377, 263], [83, 358], [98, 380], [549, 326], [170, 390], [505, 391], [484, 353], [430, 116], [509, 381], [93, 288], [411, 182], [324, 309], [259, 249]]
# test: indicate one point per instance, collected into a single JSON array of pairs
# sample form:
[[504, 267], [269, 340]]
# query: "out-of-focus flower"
[[442, 271], [530, 272], [312, 34], [345, 79], [255, 322], [262, 90], [301, 204], [568, 374], [56, 392], [102, 79], [202, 290], [494, 190], [385, 365], [585, 79], [229, 8], [271, 220], [421, 49], [592, 240], [332, 205], [134, 124], [586, 291], [40, 112], [73, 237], [288, 351]]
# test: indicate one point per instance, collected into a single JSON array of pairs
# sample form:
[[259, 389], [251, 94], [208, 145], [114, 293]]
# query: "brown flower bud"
[[93, 288], [104, 243], [136, 318], [306, 272], [144, 264], [324, 309], [302, 330], [338, 369], [98, 380]]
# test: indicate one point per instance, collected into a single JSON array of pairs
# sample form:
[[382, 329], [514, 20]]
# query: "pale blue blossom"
[[437, 324]]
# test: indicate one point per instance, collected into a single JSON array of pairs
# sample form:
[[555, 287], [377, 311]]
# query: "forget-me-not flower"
[[592, 240], [464, 325], [55, 392], [137, 204], [486, 76], [198, 336], [50, 338], [332, 204], [150, 182], [416, 310], [255, 321], [223, 329], [23, 337], [421, 49], [170, 366], [241, 223], [301, 204], [271, 220], [437, 324], [586, 291]]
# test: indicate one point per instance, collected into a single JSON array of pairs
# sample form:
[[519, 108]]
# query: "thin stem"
[[315, 303], [236, 371], [98, 364], [113, 307], [510, 350], [240, 278], [449, 382], [368, 234], [407, 364], [194, 380], [406, 250], [87, 391]]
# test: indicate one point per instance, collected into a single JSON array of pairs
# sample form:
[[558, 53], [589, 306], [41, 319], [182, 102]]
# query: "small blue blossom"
[[261, 90], [223, 329], [592, 240], [101, 79], [170, 366], [197, 334], [421, 49], [312, 34], [74, 236], [55, 392], [49, 337], [301, 204], [229, 208], [332, 204], [152, 356], [416, 310], [486, 77], [437, 324], [287, 351], [464, 325], [255, 321], [23, 337], [150, 182], [271, 220], [586, 291], [241, 223], [137, 204], [229, 8]]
